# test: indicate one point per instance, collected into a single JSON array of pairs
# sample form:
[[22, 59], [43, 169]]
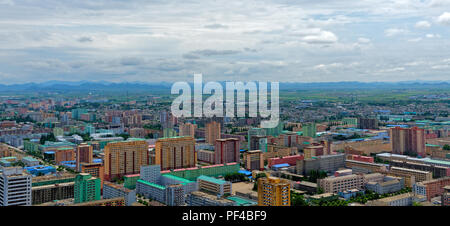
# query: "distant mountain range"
[[161, 86]]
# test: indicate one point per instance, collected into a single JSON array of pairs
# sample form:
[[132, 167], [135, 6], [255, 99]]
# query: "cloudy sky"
[[169, 40]]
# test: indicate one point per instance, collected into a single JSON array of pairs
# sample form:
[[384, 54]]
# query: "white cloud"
[[423, 24], [394, 31], [363, 40], [432, 35], [322, 37], [444, 18]]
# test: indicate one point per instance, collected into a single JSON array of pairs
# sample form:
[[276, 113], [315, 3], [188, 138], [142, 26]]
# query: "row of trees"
[[235, 177]]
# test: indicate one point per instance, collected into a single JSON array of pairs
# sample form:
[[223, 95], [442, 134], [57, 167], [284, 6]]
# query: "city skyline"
[[285, 41]]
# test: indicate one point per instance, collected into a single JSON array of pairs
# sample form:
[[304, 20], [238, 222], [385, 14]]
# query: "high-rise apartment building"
[[95, 169], [258, 143], [125, 157], [15, 187], [212, 132], [367, 123], [187, 129], [274, 191], [227, 150], [87, 188], [255, 132], [309, 130], [408, 141], [254, 160], [175, 153], [84, 154]]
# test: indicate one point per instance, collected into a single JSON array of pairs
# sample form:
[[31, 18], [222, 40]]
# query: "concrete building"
[[175, 153], [274, 191], [51, 192], [84, 154], [151, 173], [226, 151], [207, 156], [408, 141], [212, 132], [309, 130], [125, 157], [365, 167], [431, 188], [258, 143], [187, 129], [30, 161], [405, 199], [119, 201], [419, 175], [367, 123], [213, 185], [111, 190], [137, 132], [198, 198], [340, 184], [327, 163], [254, 132], [254, 160], [86, 189], [313, 151], [388, 185], [15, 187], [94, 169], [437, 171]]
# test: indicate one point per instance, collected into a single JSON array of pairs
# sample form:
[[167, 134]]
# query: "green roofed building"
[[242, 202], [87, 188], [213, 185]]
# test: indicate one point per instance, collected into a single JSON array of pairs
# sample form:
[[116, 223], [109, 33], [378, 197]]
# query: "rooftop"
[[183, 180], [152, 184], [211, 179]]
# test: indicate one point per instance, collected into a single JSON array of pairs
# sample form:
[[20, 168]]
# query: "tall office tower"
[[15, 187], [258, 143], [175, 153], [187, 129], [408, 141], [212, 132], [226, 150], [274, 191], [367, 123], [125, 157], [95, 169], [254, 132], [309, 130], [254, 160], [84, 154], [87, 188]]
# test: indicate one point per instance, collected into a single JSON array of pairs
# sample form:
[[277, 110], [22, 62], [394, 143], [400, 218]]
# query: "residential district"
[[94, 151]]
